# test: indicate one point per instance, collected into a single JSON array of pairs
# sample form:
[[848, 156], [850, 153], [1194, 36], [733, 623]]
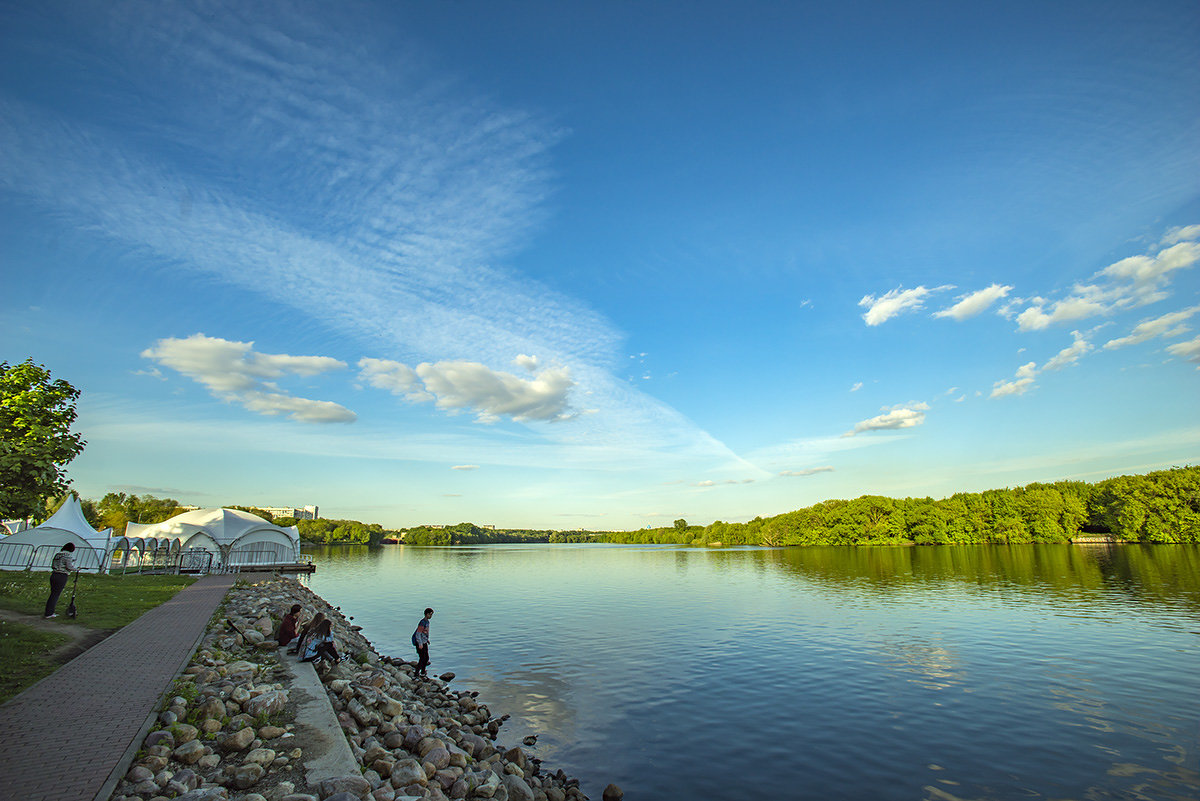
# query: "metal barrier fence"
[[194, 561], [261, 553], [15, 555], [25, 556], [87, 559]]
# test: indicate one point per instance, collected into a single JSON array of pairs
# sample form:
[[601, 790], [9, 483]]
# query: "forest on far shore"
[[1162, 507]]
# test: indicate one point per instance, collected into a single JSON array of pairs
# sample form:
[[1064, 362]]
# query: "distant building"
[[300, 513]]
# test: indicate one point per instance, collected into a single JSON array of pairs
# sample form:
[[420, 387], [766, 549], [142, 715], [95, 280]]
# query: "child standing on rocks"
[[420, 641]]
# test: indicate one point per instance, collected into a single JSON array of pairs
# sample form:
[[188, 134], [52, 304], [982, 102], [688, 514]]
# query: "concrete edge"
[[329, 755]]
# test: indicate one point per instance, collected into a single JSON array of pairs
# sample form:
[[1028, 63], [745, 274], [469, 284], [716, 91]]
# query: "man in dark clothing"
[[420, 641], [60, 570], [287, 628]]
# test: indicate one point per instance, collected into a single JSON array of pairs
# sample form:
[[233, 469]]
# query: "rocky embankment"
[[229, 727]]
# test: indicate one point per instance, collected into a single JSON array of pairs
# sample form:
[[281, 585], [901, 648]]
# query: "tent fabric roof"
[[225, 526], [68, 519]]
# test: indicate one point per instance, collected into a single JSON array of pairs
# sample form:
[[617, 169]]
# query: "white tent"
[[234, 538], [35, 547]]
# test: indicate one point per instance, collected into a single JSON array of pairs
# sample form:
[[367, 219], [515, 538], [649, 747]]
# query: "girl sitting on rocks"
[[306, 633], [319, 645]]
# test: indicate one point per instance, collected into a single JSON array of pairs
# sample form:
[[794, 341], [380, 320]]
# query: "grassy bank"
[[105, 603]]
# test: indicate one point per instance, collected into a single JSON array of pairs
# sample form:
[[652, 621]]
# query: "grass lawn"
[[104, 603], [25, 654]]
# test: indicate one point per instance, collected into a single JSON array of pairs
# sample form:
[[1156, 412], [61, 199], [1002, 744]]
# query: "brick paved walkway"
[[64, 737]]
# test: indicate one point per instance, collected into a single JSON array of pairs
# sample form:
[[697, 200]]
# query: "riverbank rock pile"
[[227, 727], [228, 731]]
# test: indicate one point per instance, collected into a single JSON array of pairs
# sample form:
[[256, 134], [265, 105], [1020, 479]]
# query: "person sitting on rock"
[[307, 632], [319, 644], [287, 627]]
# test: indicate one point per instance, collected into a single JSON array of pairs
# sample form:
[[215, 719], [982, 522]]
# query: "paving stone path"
[[68, 736]]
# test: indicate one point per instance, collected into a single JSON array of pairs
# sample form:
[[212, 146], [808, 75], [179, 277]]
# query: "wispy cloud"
[[1167, 325], [465, 467], [1026, 375], [1019, 385], [857, 386], [905, 415], [974, 303], [1181, 233], [235, 373], [1128, 283], [394, 198], [1189, 351], [1070, 354], [899, 300], [809, 471]]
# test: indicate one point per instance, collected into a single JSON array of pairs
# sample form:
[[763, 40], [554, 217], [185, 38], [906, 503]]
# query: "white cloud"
[[857, 386], [396, 378], [235, 373], [899, 300], [1023, 381], [974, 303], [1181, 233], [461, 385], [530, 363], [1147, 273], [1189, 350], [1069, 355], [396, 197], [905, 415], [1168, 325], [1036, 317], [1128, 283], [465, 467], [808, 471]]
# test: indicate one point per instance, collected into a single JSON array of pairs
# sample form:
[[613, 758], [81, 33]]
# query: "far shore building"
[[298, 512]]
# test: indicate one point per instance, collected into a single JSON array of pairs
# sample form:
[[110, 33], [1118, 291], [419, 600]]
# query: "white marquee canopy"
[[39, 544], [231, 537]]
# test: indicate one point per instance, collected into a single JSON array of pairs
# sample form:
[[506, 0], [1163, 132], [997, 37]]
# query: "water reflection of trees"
[[1144, 573]]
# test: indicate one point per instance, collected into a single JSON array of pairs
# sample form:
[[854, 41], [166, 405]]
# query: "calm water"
[[1057, 672]]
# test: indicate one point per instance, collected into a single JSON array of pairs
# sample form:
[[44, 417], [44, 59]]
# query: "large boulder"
[[355, 785], [247, 775], [268, 703], [189, 753], [238, 741], [406, 772], [518, 790]]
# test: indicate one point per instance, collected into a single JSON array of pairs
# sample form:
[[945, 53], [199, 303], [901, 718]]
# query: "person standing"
[[420, 641], [61, 569]]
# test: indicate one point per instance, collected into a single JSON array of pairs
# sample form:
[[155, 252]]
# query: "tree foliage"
[[36, 442]]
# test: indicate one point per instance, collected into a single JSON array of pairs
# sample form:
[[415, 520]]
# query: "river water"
[[989, 672]]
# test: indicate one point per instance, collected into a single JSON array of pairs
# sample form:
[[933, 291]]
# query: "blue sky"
[[604, 265]]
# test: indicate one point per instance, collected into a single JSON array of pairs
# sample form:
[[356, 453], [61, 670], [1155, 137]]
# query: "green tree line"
[[1158, 507], [1163, 506]]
